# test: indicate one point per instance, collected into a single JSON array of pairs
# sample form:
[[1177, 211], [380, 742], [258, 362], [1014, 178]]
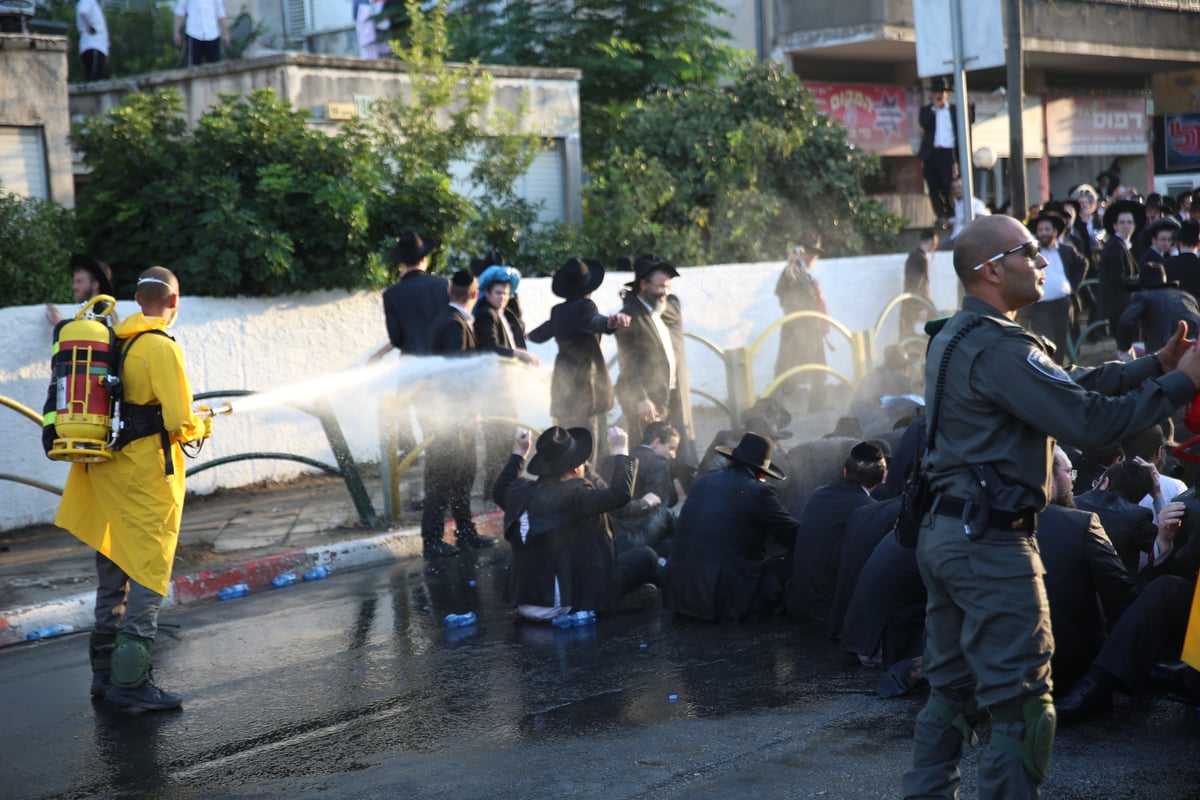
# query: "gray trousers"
[[122, 604], [987, 633]]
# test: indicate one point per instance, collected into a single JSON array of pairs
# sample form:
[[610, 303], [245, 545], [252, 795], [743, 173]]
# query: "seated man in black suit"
[[647, 519], [1087, 585], [1130, 527], [563, 558], [718, 568], [818, 549]]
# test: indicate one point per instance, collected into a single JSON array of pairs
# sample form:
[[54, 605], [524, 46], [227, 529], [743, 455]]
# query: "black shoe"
[[99, 682], [473, 540], [1086, 699], [436, 548], [145, 696], [644, 596], [901, 678]]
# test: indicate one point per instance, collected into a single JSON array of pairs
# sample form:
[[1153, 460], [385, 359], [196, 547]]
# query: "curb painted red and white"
[[77, 610]]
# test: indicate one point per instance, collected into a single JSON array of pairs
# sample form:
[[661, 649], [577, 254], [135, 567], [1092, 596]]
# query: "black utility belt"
[[947, 506]]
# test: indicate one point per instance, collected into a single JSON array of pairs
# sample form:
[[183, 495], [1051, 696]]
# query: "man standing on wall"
[[939, 149], [207, 27]]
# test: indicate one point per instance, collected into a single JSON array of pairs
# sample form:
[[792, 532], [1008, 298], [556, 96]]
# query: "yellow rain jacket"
[[126, 507]]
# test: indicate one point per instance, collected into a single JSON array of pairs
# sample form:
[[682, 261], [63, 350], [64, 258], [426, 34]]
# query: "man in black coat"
[[653, 380], [718, 568], [1087, 585], [1185, 267], [1160, 236], [450, 458], [865, 528], [1155, 311], [580, 387], [647, 518], [916, 281], [1129, 527], [939, 148], [1122, 219], [885, 618], [410, 305], [818, 550], [563, 558]]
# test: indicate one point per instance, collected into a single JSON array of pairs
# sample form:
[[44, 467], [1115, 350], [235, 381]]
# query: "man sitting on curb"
[[563, 559]]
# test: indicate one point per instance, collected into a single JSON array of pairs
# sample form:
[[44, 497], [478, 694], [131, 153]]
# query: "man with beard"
[[1054, 315]]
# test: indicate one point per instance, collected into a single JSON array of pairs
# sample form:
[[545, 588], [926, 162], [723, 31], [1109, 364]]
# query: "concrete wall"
[[33, 77], [321, 339]]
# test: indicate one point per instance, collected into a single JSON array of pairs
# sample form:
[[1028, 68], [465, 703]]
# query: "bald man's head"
[[157, 292], [982, 239]]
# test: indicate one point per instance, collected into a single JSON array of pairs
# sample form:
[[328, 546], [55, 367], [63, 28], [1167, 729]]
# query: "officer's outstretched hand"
[[1176, 346], [1188, 362]]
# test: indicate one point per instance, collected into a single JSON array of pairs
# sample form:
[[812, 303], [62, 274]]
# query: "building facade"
[[35, 156]]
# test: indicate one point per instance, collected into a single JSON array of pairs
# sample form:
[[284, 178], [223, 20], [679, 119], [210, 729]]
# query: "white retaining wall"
[[267, 343]]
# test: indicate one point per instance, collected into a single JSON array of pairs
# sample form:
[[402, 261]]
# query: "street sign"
[[982, 35]]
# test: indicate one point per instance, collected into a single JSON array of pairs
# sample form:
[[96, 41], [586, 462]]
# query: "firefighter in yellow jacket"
[[129, 507]]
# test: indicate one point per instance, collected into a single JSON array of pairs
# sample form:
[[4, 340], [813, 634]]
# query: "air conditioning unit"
[[15, 15], [297, 20]]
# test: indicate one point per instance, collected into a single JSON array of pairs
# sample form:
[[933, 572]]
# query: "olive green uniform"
[[988, 642]]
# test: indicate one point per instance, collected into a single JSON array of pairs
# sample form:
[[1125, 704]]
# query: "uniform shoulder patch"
[[1043, 364]]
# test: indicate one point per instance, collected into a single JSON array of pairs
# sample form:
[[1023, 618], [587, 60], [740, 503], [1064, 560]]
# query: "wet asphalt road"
[[351, 688]]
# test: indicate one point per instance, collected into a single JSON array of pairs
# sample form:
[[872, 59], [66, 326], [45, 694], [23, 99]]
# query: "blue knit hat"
[[499, 274]]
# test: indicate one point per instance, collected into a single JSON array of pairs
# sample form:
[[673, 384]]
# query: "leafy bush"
[[37, 239]]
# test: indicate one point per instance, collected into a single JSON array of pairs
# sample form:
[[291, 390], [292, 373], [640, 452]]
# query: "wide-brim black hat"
[[939, 84], [1151, 275], [1116, 209], [98, 270], [753, 451], [1189, 232], [492, 258], [1058, 222], [560, 450], [644, 264], [577, 277], [411, 248], [1162, 224]]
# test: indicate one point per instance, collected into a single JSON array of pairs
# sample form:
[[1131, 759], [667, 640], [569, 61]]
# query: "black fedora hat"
[[1151, 275], [1189, 232], [98, 270], [411, 248], [1059, 223], [492, 258], [646, 263], [939, 84], [753, 451], [577, 277], [1162, 224], [1121, 206], [560, 450]]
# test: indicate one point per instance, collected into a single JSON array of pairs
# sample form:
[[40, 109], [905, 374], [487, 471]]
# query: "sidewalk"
[[247, 535]]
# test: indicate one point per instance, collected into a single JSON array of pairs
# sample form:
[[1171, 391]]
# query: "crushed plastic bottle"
[[49, 631], [459, 620], [286, 579], [317, 573], [230, 592], [576, 620]]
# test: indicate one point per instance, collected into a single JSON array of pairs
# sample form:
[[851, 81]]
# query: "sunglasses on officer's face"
[[1030, 248]]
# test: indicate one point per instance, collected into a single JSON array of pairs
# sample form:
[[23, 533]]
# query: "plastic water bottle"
[[317, 573], [237, 590], [286, 579], [576, 620], [48, 631], [459, 620]]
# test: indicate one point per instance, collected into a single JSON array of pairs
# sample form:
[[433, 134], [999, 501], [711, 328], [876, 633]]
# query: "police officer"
[[1003, 402]]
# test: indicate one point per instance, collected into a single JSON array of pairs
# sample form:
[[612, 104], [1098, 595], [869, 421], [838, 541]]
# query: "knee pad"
[[100, 649], [1037, 714], [130, 660], [959, 709]]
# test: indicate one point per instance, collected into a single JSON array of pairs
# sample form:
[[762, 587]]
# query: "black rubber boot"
[[100, 650]]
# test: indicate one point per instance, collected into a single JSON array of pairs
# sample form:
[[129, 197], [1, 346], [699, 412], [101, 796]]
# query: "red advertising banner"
[[1097, 126], [876, 117]]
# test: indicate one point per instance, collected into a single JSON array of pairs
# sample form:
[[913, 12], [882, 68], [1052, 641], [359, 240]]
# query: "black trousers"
[[449, 476], [200, 51], [1152, 628], [939, 172], [93, 64]]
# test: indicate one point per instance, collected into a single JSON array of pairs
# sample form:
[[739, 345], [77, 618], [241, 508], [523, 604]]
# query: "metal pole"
[[1016, 107], [963, 131]]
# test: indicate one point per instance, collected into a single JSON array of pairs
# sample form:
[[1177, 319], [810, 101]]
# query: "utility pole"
[[1016, 108], [963, 132]]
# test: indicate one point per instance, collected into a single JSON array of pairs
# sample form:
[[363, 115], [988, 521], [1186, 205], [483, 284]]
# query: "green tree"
[[624, 48], [37, 239], [738, 174], [253, 202], [440, 125]]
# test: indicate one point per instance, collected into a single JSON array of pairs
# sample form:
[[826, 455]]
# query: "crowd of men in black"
[[728, 538]]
